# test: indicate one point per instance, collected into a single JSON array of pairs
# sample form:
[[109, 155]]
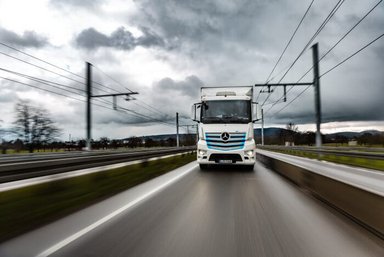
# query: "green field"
[[27, 208], [353, 161]]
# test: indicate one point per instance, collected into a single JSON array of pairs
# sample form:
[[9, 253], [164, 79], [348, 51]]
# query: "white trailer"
[[225, 119]]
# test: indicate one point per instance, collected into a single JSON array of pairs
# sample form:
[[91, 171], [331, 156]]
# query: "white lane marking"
[[89, 228]]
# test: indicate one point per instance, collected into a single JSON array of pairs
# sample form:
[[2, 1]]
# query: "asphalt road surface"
[[227, 212]]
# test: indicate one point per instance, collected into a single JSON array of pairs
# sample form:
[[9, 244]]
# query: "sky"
[[166, 50]]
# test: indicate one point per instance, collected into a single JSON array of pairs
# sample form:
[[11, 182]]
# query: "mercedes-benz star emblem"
[[225, 136]]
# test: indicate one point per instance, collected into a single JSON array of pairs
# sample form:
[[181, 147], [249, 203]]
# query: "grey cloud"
[[27, 39], [149, 39], [238, 42], [120, 39], [91, 38], [189, 87]]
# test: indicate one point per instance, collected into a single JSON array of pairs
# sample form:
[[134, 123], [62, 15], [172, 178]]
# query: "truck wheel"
[[203, 166]]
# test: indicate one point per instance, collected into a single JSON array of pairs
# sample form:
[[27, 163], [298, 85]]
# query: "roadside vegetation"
[[352, 161], [27, 208]]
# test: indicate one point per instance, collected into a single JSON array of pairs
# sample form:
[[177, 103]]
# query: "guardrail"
[[365, 207], [327, 151], [28, 168]]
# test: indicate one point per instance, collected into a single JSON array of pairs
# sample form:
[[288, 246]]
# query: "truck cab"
[[225, 119]]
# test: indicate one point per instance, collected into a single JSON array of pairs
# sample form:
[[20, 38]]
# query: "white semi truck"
[[225, 119]]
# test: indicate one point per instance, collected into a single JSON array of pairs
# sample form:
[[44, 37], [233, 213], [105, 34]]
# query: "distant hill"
[[268, 133], [351, 135]]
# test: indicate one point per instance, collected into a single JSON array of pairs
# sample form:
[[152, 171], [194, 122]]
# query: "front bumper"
[[244, 156]]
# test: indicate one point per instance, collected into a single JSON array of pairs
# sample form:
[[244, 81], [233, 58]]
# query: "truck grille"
[[235, 141], [216, 157]]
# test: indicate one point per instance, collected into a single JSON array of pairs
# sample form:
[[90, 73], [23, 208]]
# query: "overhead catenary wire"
[[331, 69], [118, 83], [324, 23], [329, 50], [134, 113], [41, 60], [41, 80], [286, 46], [147, 106], [51, 64], [343, 37], [37, 66], [43, 89], [352, 55]]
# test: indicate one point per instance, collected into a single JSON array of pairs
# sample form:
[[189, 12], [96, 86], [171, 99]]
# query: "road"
[[220, 212]]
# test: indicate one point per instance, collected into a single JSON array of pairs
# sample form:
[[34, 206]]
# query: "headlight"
[[249, 153], [202, 152]]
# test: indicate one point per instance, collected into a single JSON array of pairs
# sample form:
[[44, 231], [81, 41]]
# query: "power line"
[[53, 72], [145, 116], [47, 90], [41, 60], [152, 109], [118, 83], [327, 19], [290, 40], [60, 94], [343, 37], [329, 50], [334, 67], [286, 46], [349, 57], [40, 80], [37, 66]]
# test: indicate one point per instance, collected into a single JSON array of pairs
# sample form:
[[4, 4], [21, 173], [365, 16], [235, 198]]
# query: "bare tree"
[[289, 133], [34, 125]]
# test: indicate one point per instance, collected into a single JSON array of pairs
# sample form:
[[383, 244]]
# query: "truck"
[[225, 117]]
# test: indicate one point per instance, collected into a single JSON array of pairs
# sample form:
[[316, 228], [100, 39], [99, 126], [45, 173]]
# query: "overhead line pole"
[[316, 84], [88, 105], [262, 127], [88, 111], [177, 129]]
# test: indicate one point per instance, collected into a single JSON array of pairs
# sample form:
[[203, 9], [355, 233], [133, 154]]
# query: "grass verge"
[[352, 161], [27, 208]]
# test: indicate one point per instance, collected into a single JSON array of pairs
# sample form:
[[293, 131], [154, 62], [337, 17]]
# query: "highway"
[[188, 212]]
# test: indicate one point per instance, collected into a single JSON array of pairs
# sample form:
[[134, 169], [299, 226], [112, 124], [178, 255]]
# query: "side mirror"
[[195, 113], [256, 112]]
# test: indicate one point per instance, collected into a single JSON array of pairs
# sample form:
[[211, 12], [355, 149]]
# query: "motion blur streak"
[[228, 212], [84, 231]]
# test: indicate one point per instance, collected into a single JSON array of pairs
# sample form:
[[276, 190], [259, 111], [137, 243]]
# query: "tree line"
[[35, 130], [291, 134]]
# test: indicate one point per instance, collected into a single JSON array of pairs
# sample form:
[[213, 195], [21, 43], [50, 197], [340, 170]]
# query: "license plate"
[[225, 161]]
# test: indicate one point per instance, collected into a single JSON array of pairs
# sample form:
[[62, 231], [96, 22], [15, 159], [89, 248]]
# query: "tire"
[[203, 166]]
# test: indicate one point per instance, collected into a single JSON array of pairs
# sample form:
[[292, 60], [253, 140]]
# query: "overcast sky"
[[166, 50]]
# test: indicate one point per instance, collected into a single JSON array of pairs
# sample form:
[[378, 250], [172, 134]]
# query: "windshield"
[[232, 111]]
